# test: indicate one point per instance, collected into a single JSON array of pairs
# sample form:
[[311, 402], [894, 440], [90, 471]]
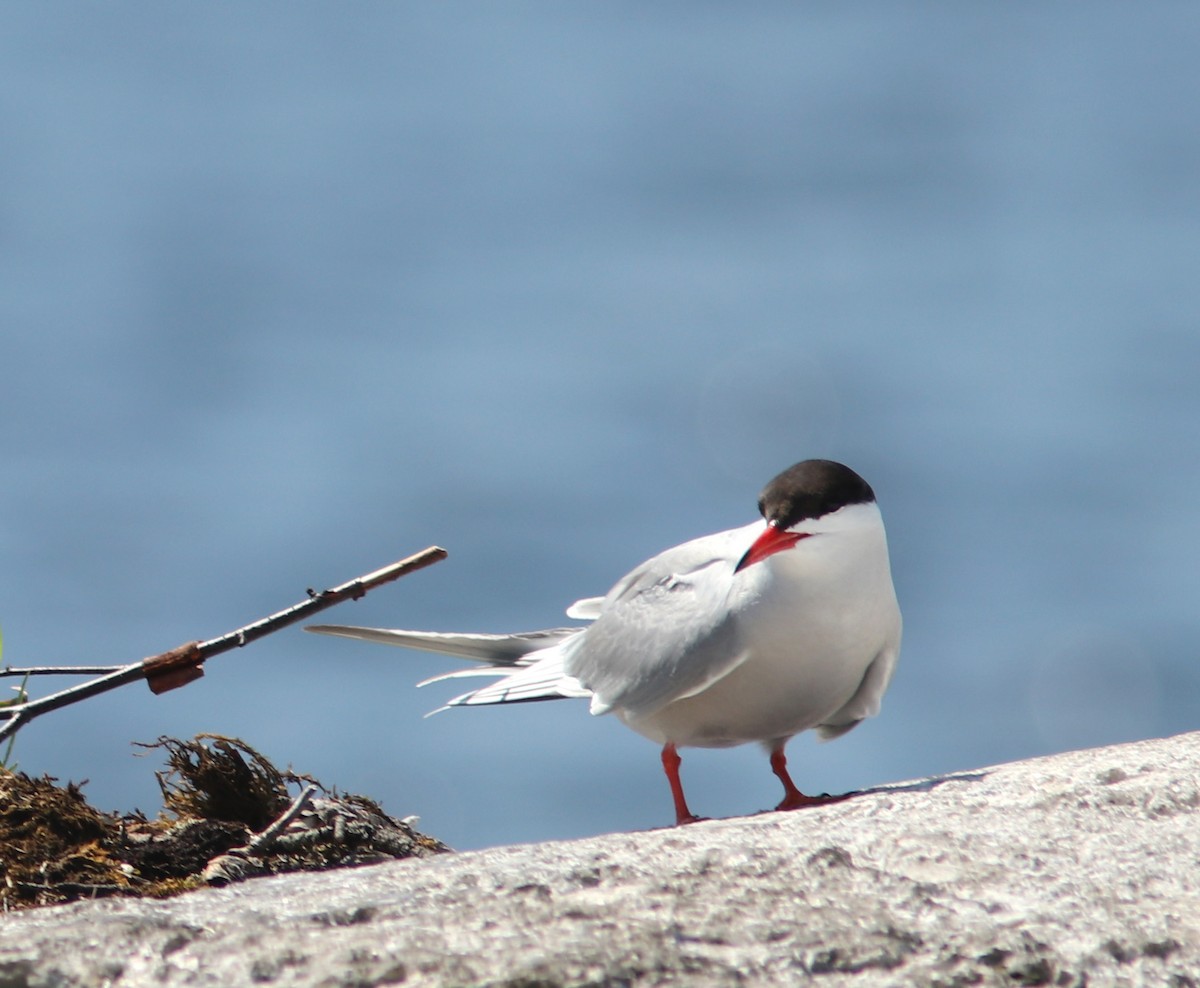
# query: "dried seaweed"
[[49, 836], [224, 779], [228, 814]]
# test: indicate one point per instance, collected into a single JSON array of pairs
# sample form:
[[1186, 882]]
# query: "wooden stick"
[[56, 670], [184, 664], [264, 838]]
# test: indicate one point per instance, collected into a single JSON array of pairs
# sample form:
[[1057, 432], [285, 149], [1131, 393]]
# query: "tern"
[[754, 634]]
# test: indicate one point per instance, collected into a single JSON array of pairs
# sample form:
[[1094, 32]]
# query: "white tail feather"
[[504, 650], [529, 664]]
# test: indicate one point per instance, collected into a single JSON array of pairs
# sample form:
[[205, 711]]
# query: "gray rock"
[[1081, 868]]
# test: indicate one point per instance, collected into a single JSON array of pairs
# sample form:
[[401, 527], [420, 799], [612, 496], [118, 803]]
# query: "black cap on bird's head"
[[809, 489]]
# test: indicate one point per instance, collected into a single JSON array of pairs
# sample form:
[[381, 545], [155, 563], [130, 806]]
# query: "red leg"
[[793, 798], [671, 762]]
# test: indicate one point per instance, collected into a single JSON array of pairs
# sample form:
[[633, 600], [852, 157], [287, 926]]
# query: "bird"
[[754, 634]]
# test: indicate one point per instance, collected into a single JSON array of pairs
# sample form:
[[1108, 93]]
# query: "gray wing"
[[665, 631], [587, 609]]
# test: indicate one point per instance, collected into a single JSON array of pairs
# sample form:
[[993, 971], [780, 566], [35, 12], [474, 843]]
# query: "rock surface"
[[1081, 868]]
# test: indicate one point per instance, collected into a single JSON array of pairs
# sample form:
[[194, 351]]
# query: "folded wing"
[[664, 632]]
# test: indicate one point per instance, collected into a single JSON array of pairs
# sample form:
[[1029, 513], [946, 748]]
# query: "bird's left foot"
[[798, 801]]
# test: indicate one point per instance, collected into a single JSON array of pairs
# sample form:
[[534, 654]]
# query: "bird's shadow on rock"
[[825, 799], [920, 785]]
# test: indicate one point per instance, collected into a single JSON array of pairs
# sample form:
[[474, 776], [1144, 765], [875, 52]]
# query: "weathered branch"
[[180, 666], [266, 837], [57, 670]]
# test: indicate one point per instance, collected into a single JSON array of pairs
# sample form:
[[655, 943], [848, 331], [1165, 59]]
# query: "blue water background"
[[289, 291]]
